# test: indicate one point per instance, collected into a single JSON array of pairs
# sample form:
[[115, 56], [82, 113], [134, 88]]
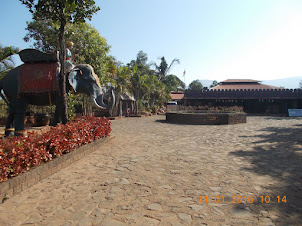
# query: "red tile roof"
[[244, 86], [240, 81], [177, 96], [230, 84]]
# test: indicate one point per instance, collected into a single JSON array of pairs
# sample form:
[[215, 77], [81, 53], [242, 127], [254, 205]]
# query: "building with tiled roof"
[[177, 96], [243, 84], [254, 97]]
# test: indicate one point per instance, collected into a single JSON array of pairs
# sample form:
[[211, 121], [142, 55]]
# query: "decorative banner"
[[38, 78]]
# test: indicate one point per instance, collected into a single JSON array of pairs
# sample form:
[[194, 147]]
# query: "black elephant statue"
[[81, 79]]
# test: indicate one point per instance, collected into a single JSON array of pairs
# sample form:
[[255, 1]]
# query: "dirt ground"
[[155, 173]]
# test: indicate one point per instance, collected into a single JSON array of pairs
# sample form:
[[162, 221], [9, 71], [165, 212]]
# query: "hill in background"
[[288, 83]]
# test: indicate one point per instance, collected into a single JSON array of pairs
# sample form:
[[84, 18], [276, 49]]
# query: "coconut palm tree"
[[6, 61], [163, 68]]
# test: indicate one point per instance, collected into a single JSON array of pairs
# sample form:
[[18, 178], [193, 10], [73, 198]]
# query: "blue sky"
[[214, 39]]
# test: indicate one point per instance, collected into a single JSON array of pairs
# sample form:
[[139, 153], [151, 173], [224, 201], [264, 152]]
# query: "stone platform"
[[206, 118]]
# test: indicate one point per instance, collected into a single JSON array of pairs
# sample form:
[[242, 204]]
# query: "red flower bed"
[[18, 154]]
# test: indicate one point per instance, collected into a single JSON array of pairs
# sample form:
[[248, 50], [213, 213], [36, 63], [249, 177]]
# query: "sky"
[[213, 39]]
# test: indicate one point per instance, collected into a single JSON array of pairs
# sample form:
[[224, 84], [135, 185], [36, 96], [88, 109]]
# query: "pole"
[[184, 74]]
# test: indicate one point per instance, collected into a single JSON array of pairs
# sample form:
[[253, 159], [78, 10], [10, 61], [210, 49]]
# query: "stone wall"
[[206, 118], [244, 94], [236, 118]]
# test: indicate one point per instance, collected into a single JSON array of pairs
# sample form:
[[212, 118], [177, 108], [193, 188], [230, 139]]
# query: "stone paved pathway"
[[154, 173]]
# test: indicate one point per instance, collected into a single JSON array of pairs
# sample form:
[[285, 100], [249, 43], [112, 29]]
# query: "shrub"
[[18, 154], [70, 105]]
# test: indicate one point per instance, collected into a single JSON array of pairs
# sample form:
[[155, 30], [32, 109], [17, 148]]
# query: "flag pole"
[[184, 74]]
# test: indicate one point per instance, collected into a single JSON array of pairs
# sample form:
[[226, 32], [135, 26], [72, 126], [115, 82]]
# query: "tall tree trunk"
[[62, 99]]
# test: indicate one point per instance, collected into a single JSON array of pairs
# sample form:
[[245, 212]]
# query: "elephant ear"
[[73, 78]]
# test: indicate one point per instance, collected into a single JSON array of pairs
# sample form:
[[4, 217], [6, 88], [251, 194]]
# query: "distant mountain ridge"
[[206, 83], [287, 83]]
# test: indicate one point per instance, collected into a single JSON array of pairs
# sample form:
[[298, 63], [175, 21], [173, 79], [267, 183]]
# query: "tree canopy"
[[55, 21], [62, 12], [89, 46], [163, 68], [215, 83], [142, 82], [6, 62], [44, 33], [173, 83], [195, 85], [72, 11]]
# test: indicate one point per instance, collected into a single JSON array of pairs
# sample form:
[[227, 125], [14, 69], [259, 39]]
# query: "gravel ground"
[[155, 173]]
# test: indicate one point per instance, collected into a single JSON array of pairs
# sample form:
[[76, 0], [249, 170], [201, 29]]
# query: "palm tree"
[[122, 85], [163, 69], [158, 92], [6, 61], [145, 84], [138, 85]]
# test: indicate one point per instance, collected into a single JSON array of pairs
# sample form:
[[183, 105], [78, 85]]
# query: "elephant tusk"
[[96, 104]]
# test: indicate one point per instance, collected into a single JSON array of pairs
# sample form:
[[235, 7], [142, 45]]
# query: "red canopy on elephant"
[[38, 78]]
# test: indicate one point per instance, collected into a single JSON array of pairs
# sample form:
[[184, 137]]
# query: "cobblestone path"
[[155, 173]]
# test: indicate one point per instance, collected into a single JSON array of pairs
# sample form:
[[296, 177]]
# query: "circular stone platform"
[[206, 118]]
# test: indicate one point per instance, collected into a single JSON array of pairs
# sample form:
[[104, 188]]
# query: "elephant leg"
[[58, 115], [58, 118], [9, 129], [20, 110]]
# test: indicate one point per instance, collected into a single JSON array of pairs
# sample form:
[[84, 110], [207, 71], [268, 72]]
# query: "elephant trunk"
[[98, 101]]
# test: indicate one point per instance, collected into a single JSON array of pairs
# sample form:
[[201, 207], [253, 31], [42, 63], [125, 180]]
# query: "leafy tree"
[[141, 59], [89, 46], [173, 83], [138, 79], [71, 102], [123, 79], [158, 93], [195, 85], [215, 83], [87, 42], [140, 70], [136, 85], [163, 68], [44, 34], [147, 88], [62, 12], [121, 76], [6, 62]]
